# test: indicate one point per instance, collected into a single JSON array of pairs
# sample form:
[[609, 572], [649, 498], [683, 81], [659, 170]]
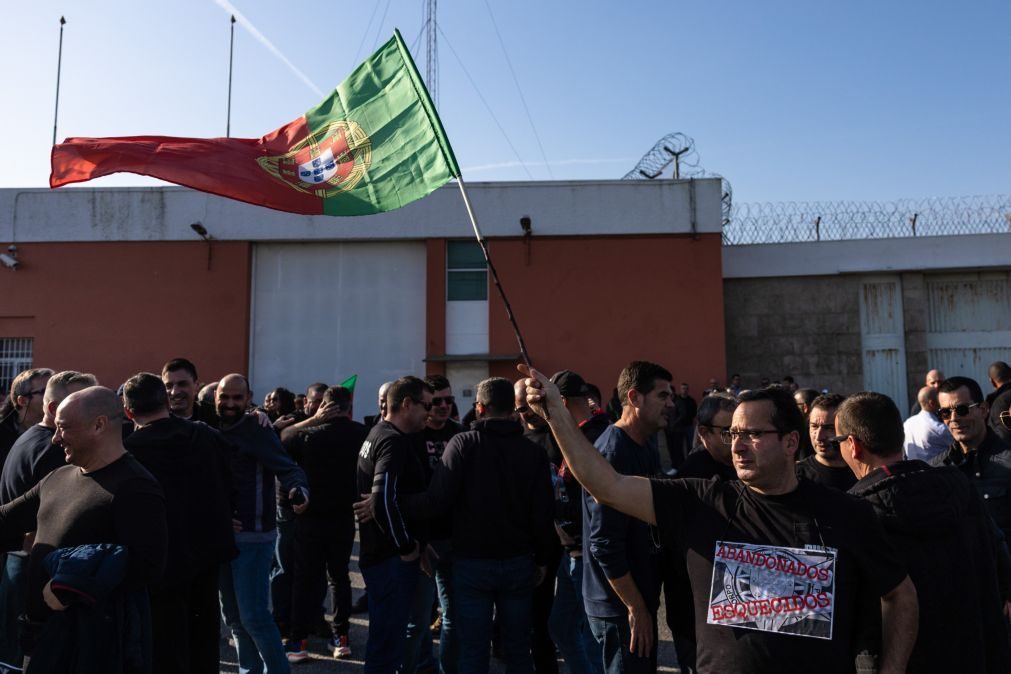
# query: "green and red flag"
[[350, 382], [373, 145]]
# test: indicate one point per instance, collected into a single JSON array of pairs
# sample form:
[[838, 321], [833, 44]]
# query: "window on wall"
[[467, 274], [15, 356]]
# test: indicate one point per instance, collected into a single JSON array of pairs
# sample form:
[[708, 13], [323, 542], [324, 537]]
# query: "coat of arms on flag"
[[324, 163]]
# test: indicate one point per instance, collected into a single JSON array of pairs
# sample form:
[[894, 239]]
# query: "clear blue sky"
[[792, 101]]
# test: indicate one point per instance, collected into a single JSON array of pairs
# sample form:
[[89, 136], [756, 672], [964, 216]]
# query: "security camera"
[[9, 261]]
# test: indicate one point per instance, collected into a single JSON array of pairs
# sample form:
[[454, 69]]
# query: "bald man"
[[933, 379], [926, 434], [103, 496]]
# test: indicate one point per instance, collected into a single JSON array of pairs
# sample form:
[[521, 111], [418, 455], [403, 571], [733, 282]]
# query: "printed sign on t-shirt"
[[773, 589]]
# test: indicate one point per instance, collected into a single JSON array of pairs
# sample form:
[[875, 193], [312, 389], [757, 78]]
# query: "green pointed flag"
[[350, 382], [373, 145]]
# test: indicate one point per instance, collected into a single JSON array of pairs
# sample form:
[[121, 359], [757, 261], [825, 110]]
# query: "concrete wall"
[[593, 304], [806, 327], [116, 309]]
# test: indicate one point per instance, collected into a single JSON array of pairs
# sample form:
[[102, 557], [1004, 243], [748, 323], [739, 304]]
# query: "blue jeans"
[[13, 597], [613, 636], [567, 624], [449, 646], [390, 585], [418, 647], [244, 588], [507, 585]]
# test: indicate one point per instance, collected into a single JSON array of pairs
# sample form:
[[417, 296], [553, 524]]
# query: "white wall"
[[325, 311]]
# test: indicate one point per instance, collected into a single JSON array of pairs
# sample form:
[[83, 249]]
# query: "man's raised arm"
[[630, 494]]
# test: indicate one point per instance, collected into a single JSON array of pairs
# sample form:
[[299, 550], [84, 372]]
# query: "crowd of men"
[[785, 529]]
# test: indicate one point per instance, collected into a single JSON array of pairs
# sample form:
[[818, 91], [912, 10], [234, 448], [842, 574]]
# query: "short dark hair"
[[496, 394], [808, 395], [786, 416], [1000, 371], [952, 384], [318, 387], [144, 393], [593, 391], [340, 396], [827, 401], [788, 380], [873, 419], [641, 376], [437, 382], [180, 364], [285, 400], [713, 404], [404, 388]]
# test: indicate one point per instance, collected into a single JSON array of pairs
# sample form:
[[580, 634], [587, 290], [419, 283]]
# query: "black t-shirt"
[[692, 515], [434, 441], [388, 465], [31, 458], [329, 456], [120, 503], [701, 464], [841, 478]]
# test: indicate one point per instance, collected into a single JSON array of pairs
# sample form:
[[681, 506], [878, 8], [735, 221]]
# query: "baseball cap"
[[569, 383]]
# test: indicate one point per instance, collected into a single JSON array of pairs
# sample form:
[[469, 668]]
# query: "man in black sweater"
[[497, 486], [325, 532], [31, 458], [388, 467], [105, 496], [191, 462]]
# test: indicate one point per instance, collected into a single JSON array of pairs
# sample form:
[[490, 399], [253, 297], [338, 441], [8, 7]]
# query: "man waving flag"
[[375, 144]]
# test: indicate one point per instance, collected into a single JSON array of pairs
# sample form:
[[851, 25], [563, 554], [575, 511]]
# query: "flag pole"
[[231, 51], [59, 65], [494, 274]]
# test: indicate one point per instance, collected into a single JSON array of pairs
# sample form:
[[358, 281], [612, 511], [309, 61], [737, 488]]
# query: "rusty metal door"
[[968, 323], [882, 337]]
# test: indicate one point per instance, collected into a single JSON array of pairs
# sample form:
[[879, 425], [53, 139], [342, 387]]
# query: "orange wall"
[[593, 304], [115, 309]]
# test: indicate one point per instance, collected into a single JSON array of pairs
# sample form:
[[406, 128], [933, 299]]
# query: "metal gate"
[[882, 337], [968, 323]]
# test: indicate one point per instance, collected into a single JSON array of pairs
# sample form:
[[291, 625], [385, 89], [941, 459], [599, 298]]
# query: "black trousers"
[[185, 621], [541, 646], [322, 546]]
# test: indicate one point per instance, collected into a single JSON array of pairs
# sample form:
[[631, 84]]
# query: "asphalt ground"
[[322, 662]]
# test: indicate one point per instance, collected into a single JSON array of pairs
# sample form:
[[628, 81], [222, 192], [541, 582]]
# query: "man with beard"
[[826, 465], [243, 583], [621, 584]]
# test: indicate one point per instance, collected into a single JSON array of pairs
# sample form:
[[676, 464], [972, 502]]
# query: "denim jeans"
[[613, 636], [449, 646], [569, 629], [390, 585], [282, 572], [13, 597], [479, 585], [418, 640], [244, 587]]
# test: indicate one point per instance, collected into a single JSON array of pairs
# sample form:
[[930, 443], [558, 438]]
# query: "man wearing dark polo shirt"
[[775, 564]]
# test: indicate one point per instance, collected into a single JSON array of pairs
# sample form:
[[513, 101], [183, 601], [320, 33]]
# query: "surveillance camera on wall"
[[9, 262]]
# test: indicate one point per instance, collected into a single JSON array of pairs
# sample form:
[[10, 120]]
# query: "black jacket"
[[989, 469], [497, 485], [938, 525], [329, 456], [191, 461]]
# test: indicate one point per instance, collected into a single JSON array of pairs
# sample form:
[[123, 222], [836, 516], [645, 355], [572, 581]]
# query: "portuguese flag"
[[375, 144]]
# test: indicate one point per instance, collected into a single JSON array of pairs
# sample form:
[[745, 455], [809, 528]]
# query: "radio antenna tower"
[[432, 50]]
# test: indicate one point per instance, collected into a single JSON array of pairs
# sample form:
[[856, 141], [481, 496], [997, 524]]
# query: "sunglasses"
[[1005, 419], [427, 406], [961, 410], [443, 400]]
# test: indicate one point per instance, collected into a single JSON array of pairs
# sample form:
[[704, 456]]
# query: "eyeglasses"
[[961, 410], [443, 400], [1005, 419], [749, 435], [36, 392], [838, 439]]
